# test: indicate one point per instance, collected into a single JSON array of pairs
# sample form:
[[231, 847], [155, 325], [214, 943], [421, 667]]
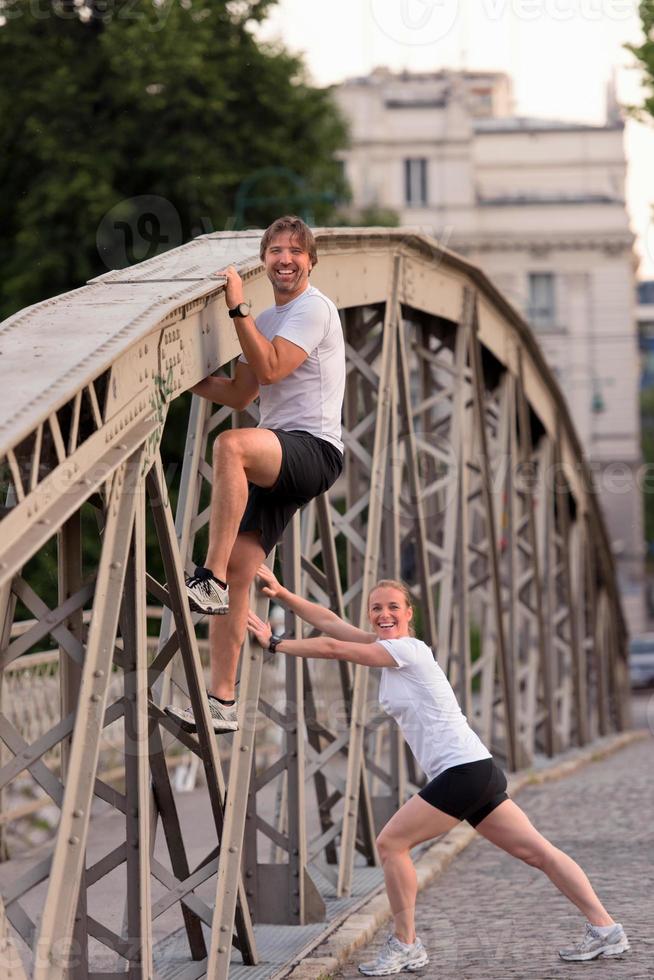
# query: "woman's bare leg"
[[413, 823], [508, 827]]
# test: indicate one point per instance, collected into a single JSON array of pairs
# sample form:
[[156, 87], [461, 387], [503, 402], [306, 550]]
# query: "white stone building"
[[539, 205]]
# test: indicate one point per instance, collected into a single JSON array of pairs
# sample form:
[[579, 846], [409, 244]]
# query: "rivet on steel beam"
[[244, 748], [78, 813], [95, 697], [223, 928], [98, 673], [73, 840], [233, 849], [115, 564], [222, 949]]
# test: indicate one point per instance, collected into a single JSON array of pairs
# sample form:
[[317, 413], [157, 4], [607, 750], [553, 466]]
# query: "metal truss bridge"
[[463, 474]]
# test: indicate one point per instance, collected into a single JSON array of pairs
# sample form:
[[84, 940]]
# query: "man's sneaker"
[[223, 716], [394, 957], [204, 593], [594, 944]]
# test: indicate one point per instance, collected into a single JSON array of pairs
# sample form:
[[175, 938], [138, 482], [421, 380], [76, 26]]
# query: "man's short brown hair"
[[299, 231]]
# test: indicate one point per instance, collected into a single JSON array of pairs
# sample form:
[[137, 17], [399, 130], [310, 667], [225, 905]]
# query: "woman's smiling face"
[[389, 613]]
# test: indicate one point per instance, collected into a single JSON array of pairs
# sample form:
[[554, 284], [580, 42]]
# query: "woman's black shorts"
[[468, 792], [309, 467]]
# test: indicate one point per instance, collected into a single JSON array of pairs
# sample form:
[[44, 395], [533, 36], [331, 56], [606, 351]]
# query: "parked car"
[[641, 660]]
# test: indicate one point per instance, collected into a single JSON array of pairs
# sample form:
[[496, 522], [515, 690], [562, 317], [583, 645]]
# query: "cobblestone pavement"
[[491, 917]]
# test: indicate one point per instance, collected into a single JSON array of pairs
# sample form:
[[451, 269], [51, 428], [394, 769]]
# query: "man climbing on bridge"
[[294, 360]]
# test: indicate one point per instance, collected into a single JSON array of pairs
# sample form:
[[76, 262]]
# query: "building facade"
[[539, 206]]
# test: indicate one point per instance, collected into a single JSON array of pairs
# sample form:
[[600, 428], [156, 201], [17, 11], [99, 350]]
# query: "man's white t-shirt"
[[418, 695], [311, 397]]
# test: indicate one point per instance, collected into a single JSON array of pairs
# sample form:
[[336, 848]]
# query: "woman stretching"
[[464, 781]]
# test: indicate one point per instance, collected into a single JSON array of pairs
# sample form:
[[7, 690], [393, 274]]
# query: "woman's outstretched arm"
[[323, 619], [323, 647]]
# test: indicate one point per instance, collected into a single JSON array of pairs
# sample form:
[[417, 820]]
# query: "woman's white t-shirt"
[[418, 695]]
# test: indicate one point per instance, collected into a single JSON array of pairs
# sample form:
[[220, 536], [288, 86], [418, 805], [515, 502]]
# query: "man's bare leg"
[[239, 456], [226, 633]]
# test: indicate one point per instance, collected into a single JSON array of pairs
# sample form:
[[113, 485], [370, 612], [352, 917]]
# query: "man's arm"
[[270, 361], [236, 392]]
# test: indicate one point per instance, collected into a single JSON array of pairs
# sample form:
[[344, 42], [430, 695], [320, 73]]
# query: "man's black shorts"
[[309, 467], [468, 792]]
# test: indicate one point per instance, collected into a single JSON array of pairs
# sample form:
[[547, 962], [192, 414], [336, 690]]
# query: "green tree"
[[147, 120], [644, 54]]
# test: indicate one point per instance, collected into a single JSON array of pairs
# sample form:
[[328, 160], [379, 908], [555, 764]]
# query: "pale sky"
[[560, 54]]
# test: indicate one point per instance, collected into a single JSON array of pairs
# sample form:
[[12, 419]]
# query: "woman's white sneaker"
[[205, 594], [596, 944], [394, 957]]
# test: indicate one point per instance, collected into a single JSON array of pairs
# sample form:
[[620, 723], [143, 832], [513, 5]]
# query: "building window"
[[415, 182], [541, 311]]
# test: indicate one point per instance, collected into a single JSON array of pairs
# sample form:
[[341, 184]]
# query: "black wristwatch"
[[274, 642], [242, 310]]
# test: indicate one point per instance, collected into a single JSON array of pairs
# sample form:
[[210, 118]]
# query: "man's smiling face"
[[287, 266]]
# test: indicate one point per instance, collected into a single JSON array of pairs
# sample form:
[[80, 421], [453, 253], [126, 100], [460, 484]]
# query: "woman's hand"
[[260, 630], [268, 583]]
